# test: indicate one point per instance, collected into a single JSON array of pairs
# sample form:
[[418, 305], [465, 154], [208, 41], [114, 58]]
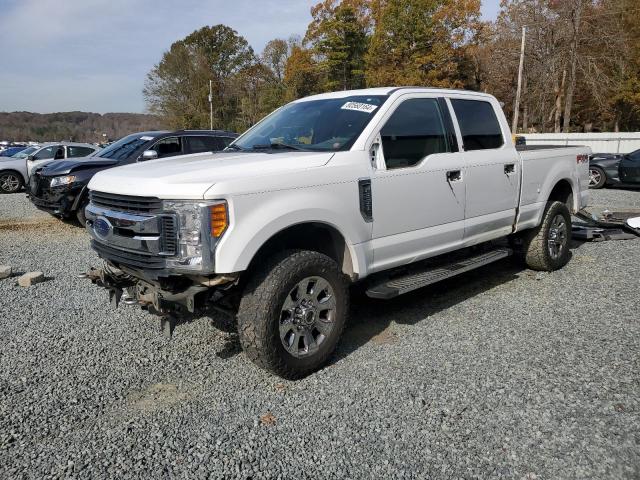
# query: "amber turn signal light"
[[219, 220]]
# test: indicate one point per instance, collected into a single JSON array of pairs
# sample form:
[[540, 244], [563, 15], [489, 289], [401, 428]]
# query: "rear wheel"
[[546, 247], [292, 313], [10, 182], [597, 177]]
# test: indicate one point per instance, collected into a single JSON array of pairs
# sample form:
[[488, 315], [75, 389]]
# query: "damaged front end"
[[159, 254], [169, 297]]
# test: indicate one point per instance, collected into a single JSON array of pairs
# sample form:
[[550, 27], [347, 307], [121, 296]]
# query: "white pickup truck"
[[393, 188]]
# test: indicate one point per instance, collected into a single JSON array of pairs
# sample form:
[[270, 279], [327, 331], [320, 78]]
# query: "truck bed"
[[543, 167]]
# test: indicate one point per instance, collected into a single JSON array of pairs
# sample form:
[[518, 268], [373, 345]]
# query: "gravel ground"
[[501, 373]]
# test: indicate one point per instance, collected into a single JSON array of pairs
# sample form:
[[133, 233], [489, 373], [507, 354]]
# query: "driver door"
[[417, 184], [54, 152]]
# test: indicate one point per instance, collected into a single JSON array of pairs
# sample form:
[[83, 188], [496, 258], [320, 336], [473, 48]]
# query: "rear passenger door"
[[203, 143], [417, 184], [493, 177]]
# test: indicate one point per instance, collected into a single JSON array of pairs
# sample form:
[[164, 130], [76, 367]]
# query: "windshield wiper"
[[276, 146]]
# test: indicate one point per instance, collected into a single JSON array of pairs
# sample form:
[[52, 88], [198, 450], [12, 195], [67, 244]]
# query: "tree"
[[301, 75], [338, 37], [275, 55], [178, 86], [421, 42]]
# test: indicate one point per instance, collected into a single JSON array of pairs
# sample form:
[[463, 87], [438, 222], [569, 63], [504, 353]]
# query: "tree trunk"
[[559, 89], [525, 110], [573, 56]]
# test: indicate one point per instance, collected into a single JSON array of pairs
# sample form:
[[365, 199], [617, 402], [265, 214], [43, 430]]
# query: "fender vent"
[[366, 199]]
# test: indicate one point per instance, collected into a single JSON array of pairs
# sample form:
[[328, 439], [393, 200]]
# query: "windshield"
[[24, 153], [124, 147], [315, 125]]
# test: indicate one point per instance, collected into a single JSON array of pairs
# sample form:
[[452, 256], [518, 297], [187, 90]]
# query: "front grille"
[[126, 203], [118, 256]]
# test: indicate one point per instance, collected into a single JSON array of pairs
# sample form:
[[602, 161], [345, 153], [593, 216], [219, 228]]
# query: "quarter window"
[[478, 123], [414, 131]]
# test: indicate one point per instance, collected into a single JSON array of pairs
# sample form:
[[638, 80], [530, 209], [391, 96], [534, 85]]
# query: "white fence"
[[599, 142]]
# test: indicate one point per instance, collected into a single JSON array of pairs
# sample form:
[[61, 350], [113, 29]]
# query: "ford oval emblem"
[[102, 227]]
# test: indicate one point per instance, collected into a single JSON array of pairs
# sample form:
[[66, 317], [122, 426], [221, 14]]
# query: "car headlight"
[[199, 226], [65, 180]]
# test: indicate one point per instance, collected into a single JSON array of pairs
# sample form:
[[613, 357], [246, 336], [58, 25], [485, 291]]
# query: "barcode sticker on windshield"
[[146, 138], [359, 107]]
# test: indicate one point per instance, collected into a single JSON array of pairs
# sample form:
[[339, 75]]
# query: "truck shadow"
[[370, 319]]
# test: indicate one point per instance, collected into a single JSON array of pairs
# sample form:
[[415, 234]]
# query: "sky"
[[93, 55]]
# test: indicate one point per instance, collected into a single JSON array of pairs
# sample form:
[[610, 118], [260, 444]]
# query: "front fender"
[[255, 218]]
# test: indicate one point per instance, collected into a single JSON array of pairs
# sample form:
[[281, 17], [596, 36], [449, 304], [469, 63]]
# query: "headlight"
[[59, 181], [200, 224]]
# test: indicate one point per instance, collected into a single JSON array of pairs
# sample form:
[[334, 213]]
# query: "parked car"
[[10, 151], [614, 169], [394, 188], [60, 188], [15, 170]]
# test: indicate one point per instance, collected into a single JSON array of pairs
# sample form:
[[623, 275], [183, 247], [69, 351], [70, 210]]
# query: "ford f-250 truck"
[[394, 188]]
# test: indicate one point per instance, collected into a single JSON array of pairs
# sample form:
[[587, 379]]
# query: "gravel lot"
[[501, 373]]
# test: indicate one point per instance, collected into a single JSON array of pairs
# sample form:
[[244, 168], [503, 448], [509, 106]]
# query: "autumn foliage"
[[581, 70]]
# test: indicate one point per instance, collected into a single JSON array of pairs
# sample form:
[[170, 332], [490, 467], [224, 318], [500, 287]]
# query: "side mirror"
[[29, 157], [149, 155]]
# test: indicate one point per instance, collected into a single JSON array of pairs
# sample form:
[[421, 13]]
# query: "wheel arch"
[[563, 191], [13, 170], [318, 236]]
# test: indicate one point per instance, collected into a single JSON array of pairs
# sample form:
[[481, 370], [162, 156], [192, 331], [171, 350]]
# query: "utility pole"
[[516, 107], [210, 107]]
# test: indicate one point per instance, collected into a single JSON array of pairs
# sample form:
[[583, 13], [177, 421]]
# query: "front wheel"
[[546, 247], [80, 215], [292, 313], [10, 182]]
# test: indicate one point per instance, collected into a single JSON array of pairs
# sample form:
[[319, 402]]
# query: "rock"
[[30, 278], [5, 271]]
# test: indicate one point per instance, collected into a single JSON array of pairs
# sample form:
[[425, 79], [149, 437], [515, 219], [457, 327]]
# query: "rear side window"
[[478, 124], [73, 152], [202, 143], [414, 131]]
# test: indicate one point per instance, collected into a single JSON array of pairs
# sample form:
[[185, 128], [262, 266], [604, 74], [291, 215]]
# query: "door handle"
[[509, 168], [454, 176]]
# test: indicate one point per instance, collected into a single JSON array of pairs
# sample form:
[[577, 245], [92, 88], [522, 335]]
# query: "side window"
[[415, 130], [478, 123], [168, 147], [227, 141], [201, 143], [73, 152], [46, 153]]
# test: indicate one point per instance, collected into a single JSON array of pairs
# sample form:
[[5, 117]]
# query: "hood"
[[190, 176], [64, 167]]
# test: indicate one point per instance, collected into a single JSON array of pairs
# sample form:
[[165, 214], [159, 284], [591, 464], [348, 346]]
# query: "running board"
[[392, 287]]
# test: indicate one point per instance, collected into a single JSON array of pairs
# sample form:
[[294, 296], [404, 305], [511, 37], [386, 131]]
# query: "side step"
[[392, 287]]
